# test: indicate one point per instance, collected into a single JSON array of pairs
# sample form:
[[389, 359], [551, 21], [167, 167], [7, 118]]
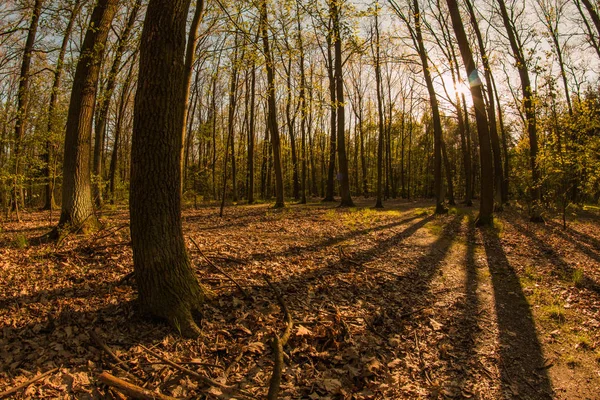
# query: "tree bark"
[[77, 205], [22, 106], [167, 285], [48, 172], [104, 104], [380, 140], [530, 113], [486, 204], [346, 199], [272, 106]]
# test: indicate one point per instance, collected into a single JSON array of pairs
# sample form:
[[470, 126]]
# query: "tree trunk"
[[346, 199], [380, 140], [22, 106], [303, 111], [77, 205], [167, 285], [486, 204], [251, 134], [437, 125], [104, 104], [124, 100], [530, 113], [329, 191], [272, 111], [48, 172]]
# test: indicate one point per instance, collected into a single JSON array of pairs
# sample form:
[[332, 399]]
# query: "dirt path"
[[388, 304]]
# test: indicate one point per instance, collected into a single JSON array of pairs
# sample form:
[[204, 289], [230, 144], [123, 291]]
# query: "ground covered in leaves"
[[395, 304]]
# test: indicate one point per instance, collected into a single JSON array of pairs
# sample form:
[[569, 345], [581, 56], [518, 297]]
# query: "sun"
[[461, 87]]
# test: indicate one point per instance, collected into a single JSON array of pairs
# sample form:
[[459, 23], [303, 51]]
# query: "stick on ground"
[[23, 385], [244, 293], [278, 343], [130, 389]]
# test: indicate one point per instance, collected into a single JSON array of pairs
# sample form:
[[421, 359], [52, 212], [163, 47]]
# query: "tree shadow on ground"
[[562, 268], [521, 358]]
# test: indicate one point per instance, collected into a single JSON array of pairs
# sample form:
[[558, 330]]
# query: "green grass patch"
[[577, 277], [424, 211], [20, 242]]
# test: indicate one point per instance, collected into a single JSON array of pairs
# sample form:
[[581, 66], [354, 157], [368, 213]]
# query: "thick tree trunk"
[[104, 104], [486, 204], [167, 285], [77, 205], [593, 14]]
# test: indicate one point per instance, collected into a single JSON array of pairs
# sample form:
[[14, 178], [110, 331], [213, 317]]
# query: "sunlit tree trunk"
[[486, 204], [77, 206]]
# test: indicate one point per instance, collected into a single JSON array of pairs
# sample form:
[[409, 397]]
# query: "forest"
[[300, 199]]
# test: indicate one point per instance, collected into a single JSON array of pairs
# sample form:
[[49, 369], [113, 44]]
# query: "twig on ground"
[[108, 350], [244, 293], [344, 257], [130, 389], [23, 385], [278, 343]]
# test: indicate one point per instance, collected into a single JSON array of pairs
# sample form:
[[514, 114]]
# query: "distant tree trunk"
[[190, 57], [448, 169], [380, 140], [48, 171], [437, 125], [213, 110], [251, 134], [104, 103], [346, 199], [486, 205], [329, 191], [123, 101], [77, 205], [303, 110], [231, 117], [22, 106], [530, 112], [167, 285], [272, 106]]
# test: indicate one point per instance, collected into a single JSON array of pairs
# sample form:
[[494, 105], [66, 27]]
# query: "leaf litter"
[[386, 304]]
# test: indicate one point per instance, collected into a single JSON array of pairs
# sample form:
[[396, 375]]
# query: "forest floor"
[[393, 303]]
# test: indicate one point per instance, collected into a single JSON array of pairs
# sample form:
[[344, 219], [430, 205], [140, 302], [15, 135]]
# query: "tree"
[[272, 106], [380, 140], [104, 103], [22, 106], [529, 110], [167, 285], [48, 171], [417, 38], [486, 204], [77, 206]]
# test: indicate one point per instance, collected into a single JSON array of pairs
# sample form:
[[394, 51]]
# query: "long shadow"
[[564, 269], [521, 356], [591, 247], [383, 300], [338, 239], [463, 339]]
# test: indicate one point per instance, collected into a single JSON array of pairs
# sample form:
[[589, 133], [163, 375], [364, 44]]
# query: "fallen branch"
[[130, 389], [108, 350], [277, 344], [244, 293], [23, 385]]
